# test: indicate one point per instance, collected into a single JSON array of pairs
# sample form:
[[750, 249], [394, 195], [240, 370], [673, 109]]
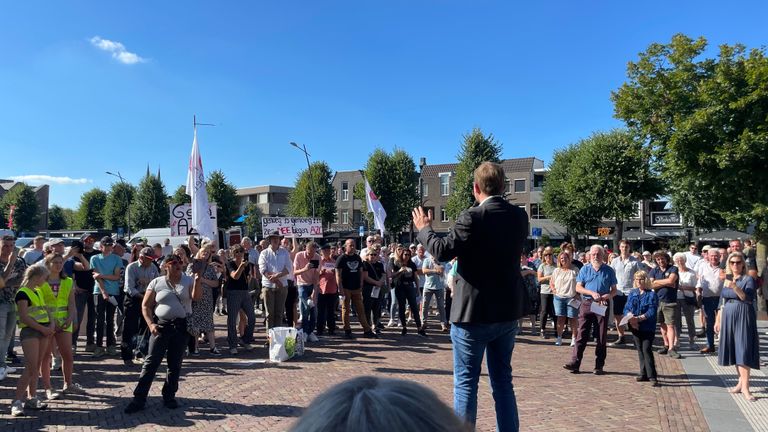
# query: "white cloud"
[[118, 51], [38, 179]]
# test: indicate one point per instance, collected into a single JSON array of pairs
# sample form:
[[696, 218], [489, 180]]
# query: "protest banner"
[[293, 227], [181, 219]]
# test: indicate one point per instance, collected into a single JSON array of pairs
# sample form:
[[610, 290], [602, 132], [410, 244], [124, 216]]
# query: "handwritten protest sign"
[[181, 219], [293, 227]]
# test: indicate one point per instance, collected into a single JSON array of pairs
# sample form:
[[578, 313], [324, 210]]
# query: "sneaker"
[[707, 350], [9, 370], [422, 333], [655, 383], [248, 346], [90, 348], [370, 335], [404, 331], [674, 354], [195, 352], [543, 335], [559, 341], [573, 342], [663, 351], [391, 324], [133, 407], [17, 408], [312, 338], [98, 352], [571, 367], [51, 395], [599, 371], [619, 342], [112, 350], [233, 351], [56, 364], [35, 404], [641, 379], [215, 351], [73, 388]]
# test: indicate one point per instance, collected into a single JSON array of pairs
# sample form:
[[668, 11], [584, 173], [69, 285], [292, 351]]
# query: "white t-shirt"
[[687, 279]]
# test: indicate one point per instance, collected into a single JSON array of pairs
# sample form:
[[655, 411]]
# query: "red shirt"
[[327, 282]]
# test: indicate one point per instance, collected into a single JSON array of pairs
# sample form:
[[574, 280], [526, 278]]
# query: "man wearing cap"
[[106, 272], [274, 266], [138, 275], [647, 263], [84, 285]]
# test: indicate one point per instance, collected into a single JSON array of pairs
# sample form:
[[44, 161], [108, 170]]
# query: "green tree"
[[393, 178], [90, 213], [252, 221], [116, 211], [562, 197], [180, 196], [150, 204], [300, 199], [224, 194], [476, 149], [57, 220], [705, 121], [70, 216], [25, 214]]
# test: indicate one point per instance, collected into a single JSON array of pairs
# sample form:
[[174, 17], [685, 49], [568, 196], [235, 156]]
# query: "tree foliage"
[[252, 222], [224, 194], [393, 178], [705, 121], [57, 220], [601, 177], [300, 199], [118, 205], [180, 196], [90, 213], [476, 149], [25, 214], [150, 204]]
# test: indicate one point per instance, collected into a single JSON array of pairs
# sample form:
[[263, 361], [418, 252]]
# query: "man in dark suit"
[[490, 296]]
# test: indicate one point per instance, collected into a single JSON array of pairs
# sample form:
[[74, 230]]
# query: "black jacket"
[[487, 240]]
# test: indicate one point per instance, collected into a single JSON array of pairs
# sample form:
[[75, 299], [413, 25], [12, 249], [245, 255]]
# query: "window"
[[519, 185], [537, 212], [424, 189], [262, 198], [345, 217], [538, 182], [445, 183], [345, 191], [443, 215], [357, 217], [509, 185]]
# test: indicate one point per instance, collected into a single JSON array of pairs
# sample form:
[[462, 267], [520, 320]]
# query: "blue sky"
[[88, 87]]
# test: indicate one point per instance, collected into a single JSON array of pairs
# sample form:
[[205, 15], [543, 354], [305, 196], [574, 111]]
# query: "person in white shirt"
[[686, 297], [692, 257], [625, 266], [275, 265], [708, 287]]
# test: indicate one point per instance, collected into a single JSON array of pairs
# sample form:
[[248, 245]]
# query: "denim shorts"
[[563, 309]]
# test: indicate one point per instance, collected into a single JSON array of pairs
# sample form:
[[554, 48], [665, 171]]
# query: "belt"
[[739, 301]]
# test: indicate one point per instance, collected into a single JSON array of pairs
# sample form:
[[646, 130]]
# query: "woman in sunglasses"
[[404, 282], [737, 323]]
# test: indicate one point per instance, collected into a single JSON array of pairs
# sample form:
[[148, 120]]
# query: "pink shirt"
[[309, 277]]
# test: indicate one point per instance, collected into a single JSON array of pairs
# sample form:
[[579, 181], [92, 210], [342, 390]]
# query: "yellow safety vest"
[[58, 305], [36, 309]]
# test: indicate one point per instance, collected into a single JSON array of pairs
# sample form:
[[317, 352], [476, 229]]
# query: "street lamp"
[[127, 213], [303, 148]]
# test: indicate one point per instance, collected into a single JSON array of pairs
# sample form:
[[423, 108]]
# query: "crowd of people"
[[160, 302]]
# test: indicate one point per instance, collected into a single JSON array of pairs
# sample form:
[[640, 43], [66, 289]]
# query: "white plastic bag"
[[300, 337], [282, 343]]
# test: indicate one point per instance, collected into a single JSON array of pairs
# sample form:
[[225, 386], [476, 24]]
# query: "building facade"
[[42, 193], [349, 210], [272, 200]]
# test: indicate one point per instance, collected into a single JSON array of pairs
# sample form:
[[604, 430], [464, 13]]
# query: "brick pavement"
[[243, 393]]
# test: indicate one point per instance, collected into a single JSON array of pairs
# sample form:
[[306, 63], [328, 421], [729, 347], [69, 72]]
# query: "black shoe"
[[655, 383], [701, 334], [170, 403], [423, 333], [128, 363], [599, 371], [404, 331], [663, 351], [370, 335], [641, 379], [348, 334], [133, 407], [571, 367]]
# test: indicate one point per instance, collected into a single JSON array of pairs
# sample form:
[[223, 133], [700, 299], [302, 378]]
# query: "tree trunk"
[[617, 234]]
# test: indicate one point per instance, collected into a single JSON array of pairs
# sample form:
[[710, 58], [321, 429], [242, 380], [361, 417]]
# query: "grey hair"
[[602, 250], [679, 256], [375, 404]]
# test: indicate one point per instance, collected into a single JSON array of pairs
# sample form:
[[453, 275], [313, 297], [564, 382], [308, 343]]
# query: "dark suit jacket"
[[487, 240]]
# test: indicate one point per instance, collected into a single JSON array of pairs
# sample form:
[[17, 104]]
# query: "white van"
[[156, 235]]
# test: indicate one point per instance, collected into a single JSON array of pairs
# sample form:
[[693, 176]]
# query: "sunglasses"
[[736, 262], [372, 254], [639, 279]]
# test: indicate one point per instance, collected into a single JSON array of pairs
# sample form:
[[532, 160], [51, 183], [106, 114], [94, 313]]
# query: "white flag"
[[201, 218], [379, 214]]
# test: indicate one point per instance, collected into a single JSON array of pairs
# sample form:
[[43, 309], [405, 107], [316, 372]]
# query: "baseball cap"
[[87, 236], [325, 246], [107, 241], [54, 241], [147, 252]]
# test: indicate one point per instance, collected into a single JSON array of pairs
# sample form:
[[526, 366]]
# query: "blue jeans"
[[709, 304], [470, 343], [308, 314]]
